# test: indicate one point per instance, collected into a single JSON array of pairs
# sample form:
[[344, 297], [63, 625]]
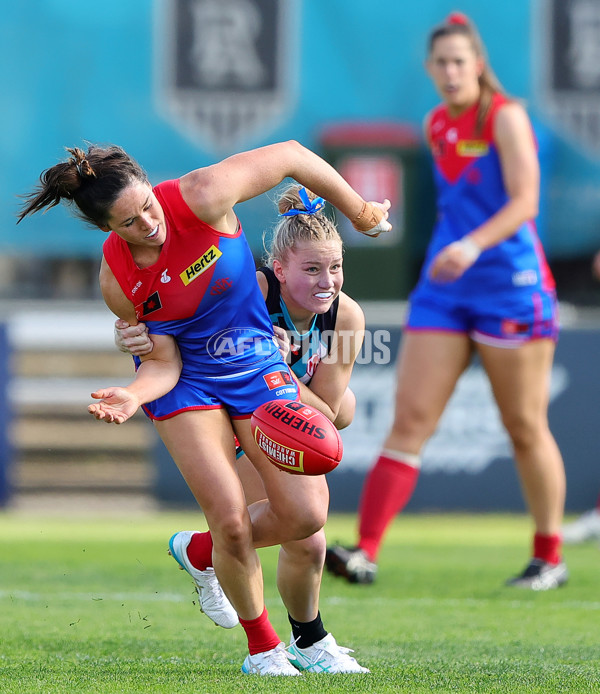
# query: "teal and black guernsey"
[[308, 348]]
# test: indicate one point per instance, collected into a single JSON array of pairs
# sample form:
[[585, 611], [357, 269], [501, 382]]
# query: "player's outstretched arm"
[[212, 192], [157, 375]]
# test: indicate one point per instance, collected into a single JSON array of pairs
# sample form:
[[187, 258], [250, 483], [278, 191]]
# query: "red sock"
[[260, 633], [199, 550], [388, 488], [547, 548]]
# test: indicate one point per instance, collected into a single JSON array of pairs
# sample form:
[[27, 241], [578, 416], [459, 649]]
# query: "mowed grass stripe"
[[353, 602]]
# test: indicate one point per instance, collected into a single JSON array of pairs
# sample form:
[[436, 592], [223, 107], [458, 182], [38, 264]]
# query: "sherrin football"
[[296, 437]]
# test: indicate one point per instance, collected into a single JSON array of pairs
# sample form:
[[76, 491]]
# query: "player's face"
[[311, 276], [455, 69], [137, 217]]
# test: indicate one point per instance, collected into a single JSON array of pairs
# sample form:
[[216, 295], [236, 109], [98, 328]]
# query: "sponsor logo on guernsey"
[[199, 266], [472, 148], [277, 379], [473, 175], [525, 278], [452, 135], [312, 363], [513, 327], [221, 285], [284, 456], [151, 304], [164, 278], [437, 126], [439, 147], [137, 286]]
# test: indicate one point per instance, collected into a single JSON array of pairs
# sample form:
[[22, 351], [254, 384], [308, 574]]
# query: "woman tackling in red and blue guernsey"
[[176, 257], [320, 331]]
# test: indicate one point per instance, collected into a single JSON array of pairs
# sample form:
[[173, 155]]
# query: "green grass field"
[[95, 604]]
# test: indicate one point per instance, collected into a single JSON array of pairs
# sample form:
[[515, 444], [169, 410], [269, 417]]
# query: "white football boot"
[[213, 601], [324, 656], [273, 662]]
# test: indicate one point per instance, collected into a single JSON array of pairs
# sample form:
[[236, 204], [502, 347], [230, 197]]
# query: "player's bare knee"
[[301, 523], [308, 525], [316, 548], [524, 432], [233, 533], [310, 551], [413, 422]]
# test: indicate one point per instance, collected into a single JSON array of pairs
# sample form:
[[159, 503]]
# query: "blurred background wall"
[[183, 83]]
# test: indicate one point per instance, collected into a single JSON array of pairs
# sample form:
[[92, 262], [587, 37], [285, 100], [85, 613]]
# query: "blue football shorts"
[[240, 394], [508, 323]]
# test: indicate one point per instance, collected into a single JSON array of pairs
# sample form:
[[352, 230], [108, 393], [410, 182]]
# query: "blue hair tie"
[[311, 206]]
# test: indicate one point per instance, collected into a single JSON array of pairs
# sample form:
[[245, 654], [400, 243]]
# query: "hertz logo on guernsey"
[[199, 266], [472, 148]]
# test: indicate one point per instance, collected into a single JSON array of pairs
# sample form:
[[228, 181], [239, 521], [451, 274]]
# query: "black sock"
[[307, 633]]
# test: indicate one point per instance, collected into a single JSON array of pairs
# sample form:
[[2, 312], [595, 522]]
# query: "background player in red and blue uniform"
[[485, 288], [177, 258]]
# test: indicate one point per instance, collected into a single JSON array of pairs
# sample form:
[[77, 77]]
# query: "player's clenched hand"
[[116, 405], [283, 341], [373, 217], [132, 338], [454, 260]]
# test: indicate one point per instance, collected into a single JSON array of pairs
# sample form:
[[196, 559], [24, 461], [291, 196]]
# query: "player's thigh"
[[290, 496], [254, 489], [520, 380], [202, 445], [429, 366]]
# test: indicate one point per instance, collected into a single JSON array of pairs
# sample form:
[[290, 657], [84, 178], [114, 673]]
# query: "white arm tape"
[[383, 225], [470, 248]]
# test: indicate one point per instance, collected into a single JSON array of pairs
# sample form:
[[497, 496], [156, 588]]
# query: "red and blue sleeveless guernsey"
[[203, 291], [470, 189]]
